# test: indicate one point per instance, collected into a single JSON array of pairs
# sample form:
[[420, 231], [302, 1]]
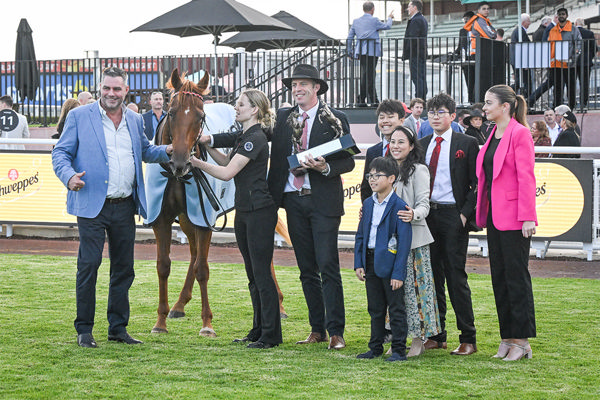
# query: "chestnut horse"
[[180, 128]]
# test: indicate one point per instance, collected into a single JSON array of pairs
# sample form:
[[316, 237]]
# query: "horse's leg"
[[186, 292], [162, 232], [282, 312]]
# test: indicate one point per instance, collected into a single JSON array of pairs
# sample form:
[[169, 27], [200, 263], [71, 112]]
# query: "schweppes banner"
[[31, 193]]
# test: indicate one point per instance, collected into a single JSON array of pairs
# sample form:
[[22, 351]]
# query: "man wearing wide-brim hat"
[[313, 199]]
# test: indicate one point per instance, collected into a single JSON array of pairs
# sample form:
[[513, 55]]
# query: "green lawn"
[[40, 357]]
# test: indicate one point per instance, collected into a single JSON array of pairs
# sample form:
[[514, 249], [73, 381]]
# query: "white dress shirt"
[[442, 186], [378, 209], [121, 165], [553, 132]]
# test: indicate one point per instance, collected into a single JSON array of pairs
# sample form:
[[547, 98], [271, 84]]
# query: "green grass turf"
[[39, 357]]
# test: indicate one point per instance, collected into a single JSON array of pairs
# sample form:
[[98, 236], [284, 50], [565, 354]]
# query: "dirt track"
[[548, 268]]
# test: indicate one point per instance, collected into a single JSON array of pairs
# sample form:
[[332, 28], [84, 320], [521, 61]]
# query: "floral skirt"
[[422, 313]]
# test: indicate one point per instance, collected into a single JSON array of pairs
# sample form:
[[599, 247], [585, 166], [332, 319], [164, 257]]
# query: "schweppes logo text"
[[19, 186]]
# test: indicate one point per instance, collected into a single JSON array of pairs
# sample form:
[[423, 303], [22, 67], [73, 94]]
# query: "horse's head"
[[184, 120]]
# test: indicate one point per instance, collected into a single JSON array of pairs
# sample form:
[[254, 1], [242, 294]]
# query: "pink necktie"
[[418, 126], [433, 162], [299, 180]]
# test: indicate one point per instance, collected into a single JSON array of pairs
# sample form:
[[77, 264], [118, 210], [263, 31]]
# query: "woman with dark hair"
[[255, 210], [540, 136], [412, 186], [506, 206], [475, 126]]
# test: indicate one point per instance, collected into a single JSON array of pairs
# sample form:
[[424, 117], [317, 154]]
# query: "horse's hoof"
[[283, 315], [176, 314], [208, 332], [159, 330]]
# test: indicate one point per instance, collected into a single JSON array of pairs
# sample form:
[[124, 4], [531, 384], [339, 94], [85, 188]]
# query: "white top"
[[442, 186], [553, 132], [312, 113], [378, 209], [121, 166], [20, 132]]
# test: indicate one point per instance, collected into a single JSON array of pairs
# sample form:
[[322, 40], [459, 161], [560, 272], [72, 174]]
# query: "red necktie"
[[387, 150], [418, 125], [435, 156], [299, 180]]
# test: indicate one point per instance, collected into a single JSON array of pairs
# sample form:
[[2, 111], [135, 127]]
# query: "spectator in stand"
[[415, 47], [585, 62], [475, 127], [460, 118], [414, 120], [155, 115], [478, 26], [541, 74], [500, 34], [550, 120], [67, 106], [367, 50], [567, 136], [462, 53], [562, 72], [539, 32], [84, 98], [522, 75], [559, 112], [21, 131], [539, 134]]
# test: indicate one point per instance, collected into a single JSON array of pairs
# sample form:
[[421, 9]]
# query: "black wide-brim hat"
[[306, 71], [474, 114]]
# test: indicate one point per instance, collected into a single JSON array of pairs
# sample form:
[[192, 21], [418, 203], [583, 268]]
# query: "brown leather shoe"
[[336, 342], [465, 349], [432, 344], [314, 337]]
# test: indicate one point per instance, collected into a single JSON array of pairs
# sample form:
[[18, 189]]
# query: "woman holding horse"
[[247, 164]]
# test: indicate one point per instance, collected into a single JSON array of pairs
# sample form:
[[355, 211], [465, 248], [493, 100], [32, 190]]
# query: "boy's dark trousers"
[[380, 296]]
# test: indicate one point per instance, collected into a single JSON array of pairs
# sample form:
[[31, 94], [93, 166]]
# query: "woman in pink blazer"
[[506, 206]]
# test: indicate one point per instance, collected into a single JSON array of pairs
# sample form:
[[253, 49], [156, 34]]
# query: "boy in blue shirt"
[[381, 249]]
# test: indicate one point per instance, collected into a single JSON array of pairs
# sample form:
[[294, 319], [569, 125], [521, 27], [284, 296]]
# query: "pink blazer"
[[513, 184]]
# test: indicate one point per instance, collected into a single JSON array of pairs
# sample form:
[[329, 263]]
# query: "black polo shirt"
[[251, 190]]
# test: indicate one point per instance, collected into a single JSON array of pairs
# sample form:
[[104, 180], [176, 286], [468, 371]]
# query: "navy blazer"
[[387, 264], [148, 127], [372, 153]]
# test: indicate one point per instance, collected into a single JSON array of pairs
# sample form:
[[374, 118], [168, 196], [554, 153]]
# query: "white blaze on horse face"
[[187, 110]]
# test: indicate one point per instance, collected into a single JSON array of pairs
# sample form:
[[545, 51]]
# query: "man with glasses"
[[451, 159]]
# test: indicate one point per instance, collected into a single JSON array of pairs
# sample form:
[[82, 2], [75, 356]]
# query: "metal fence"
[[448, 68]]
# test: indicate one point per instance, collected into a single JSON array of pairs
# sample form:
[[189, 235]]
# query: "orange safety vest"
[[555, 35], [471, 25]]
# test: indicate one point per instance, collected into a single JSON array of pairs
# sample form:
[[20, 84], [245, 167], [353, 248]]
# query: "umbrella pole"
[[216, 76]]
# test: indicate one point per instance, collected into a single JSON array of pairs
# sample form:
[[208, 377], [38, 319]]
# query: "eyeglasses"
[[373, 176], [438, 113]]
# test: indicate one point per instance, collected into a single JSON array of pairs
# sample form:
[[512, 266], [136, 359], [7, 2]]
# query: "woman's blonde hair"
[[266, 115], [541, 128]]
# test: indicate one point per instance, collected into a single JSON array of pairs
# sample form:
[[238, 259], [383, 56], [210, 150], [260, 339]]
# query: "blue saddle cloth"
[[220, 117]]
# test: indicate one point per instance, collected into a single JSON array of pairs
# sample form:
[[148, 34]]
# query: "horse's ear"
[[203, 84], [175, 81]]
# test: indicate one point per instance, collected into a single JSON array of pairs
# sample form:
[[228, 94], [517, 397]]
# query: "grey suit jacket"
[[411, 124], [416, 194]]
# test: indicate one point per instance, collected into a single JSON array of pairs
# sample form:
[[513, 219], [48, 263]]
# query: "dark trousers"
[[469, 74], [254, 231], [539, 91], [522, 81], [509, 258], [380, 296], [559, 77], [117, 222], [418, 67], [583, 76], [368, 67], [448, 259], [314, 237]]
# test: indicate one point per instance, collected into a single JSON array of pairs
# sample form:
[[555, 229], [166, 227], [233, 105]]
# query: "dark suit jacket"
[[589, 48], [372, 152], [514, 38], [415, 38], [568, 137], [327, 191], [388, 265], [462, 173], [538, 34], [463, 42], [148, 127]]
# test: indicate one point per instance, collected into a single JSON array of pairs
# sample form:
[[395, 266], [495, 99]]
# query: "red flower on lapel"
[[460, 154]]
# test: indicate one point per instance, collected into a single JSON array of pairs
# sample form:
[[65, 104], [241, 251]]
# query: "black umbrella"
[[27, 74], [214, 17], [304, 35]]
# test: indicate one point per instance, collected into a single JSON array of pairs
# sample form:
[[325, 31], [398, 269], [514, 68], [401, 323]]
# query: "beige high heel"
[[518, 352], [416, 348], [503, 350]]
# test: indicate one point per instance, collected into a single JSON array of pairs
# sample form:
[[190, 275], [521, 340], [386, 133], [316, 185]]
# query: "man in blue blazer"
[[99, 159], [155, 115], [368, 49]]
